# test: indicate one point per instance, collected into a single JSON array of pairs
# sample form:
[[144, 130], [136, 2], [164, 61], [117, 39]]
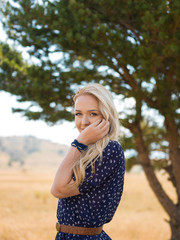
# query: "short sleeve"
[[112, 162]]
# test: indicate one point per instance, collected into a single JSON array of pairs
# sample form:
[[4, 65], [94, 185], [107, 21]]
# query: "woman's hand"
[[94, 132]]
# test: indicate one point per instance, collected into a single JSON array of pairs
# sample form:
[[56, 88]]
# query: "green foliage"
[[36, 84]]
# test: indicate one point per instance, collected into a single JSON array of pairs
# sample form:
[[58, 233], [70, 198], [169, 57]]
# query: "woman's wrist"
[[81, 140], [80, 146]]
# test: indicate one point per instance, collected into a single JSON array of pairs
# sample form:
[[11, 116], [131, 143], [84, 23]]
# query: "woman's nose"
[[85, 120]]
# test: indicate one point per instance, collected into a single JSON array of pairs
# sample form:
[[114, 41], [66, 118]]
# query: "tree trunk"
[[173, 139], [175, 229], [173, 210]]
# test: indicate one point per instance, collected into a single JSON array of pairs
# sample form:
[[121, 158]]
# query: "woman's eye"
[[77, 114], [93, 114]]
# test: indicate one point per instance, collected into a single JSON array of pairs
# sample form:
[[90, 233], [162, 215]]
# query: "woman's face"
[[86, 111]]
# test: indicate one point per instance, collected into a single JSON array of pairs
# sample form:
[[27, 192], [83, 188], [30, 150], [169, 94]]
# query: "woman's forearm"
[[62, 185]]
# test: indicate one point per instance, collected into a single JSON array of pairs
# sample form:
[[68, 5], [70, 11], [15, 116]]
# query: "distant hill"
[[30, 152]]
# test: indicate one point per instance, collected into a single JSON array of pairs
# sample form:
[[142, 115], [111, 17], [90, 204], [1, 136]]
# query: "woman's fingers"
[[104, 128], [104, 124], [97, 123], [94, 132]]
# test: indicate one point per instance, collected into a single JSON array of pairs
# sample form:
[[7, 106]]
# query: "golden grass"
[[28, 211]]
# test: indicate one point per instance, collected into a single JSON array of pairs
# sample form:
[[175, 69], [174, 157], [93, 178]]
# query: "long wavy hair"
[[108, 111]]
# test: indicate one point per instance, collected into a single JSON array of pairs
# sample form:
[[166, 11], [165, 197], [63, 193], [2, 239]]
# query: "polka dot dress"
[[99, 196]]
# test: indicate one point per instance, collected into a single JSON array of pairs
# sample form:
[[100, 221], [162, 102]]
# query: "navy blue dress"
[[99, 195]]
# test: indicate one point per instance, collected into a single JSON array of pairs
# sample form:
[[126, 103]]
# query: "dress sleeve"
[[111, 163]]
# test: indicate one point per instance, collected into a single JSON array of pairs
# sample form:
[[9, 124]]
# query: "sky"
[[13, 124]]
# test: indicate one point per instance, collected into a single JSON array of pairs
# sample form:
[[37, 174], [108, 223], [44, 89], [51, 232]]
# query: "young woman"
[[89, 181]]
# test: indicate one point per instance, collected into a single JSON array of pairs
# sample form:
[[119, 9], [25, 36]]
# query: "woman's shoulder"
[[113, 153], [113, 144], [113, 147]]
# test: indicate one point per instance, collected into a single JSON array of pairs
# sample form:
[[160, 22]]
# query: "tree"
[[132, 47], [36, 84]]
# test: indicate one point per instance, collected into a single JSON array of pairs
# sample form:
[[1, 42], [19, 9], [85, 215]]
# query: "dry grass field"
[[28, 211]]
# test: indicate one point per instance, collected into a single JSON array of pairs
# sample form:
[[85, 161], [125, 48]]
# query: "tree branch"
[[176, 25], [128, 26]]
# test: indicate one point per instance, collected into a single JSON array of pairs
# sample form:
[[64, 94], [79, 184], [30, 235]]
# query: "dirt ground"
[[28, 211]]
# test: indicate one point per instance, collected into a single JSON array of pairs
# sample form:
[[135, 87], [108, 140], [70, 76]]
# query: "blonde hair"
[[108, 111]]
